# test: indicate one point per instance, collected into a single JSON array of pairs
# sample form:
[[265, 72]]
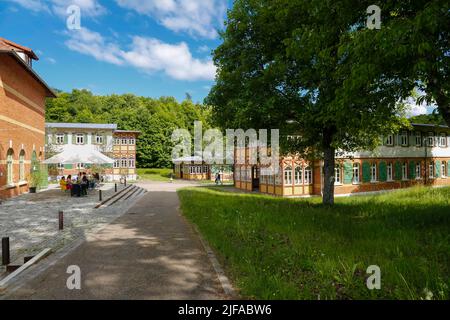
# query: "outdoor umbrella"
[[79, 154]]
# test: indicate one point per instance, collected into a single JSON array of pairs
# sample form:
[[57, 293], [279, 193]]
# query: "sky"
[[151, 48]]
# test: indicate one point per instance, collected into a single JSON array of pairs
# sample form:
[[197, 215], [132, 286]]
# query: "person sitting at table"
[[69, 182], [63, 184], [84, 185]]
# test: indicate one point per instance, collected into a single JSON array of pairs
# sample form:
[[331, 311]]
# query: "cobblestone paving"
[[31, 220]]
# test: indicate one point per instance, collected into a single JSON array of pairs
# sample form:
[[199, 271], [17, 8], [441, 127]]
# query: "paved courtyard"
[[31, 220]]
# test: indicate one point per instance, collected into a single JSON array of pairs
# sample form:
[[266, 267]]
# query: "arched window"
[[9, 167], [131, 162], [22, 165], [298, 175], [308, 175], [444, 169], [288, 175]]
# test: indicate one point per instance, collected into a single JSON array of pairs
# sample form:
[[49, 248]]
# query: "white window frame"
[[373, 173], [418, 139], [431, 170], [430, 139], [405, 171], [298, 175], [288, 175], [60, 166], [131, 163], [390, 140], [337, 175], [124, 141], [390, 172], [308, 177], [444, 172], [99, 139], [443, 140], [404, 139], [81, 166], [356, 173], [79, 139], [60, 138], [10, 167], [131, 141], [418, 171]]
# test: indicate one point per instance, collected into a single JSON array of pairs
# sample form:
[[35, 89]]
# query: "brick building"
[[417, 157], [22, 117], [119, 145]]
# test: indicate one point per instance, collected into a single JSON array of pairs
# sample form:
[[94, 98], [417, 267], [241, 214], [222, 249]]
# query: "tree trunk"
[[328, 171]]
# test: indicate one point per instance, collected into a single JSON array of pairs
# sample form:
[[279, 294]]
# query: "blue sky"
[[147, 47]]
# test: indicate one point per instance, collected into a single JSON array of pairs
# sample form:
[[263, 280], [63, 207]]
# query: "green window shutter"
[[438, 169], [348, 173], [68, 166], [383, 171], [412, 170], [74, 138], [398, 171], [46, 139], [366, 171], [85, 140], [66, 138]]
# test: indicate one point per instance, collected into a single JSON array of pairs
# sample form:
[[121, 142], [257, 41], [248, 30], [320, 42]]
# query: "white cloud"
[[413, 109], [89, 8], [145, 54], [199, 18]]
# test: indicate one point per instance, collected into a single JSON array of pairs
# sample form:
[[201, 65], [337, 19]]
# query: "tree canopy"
[[155, 118], [287, 64]]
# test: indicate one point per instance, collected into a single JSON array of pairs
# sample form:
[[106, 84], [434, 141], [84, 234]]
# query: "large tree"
[[283, 64], [412, 46]]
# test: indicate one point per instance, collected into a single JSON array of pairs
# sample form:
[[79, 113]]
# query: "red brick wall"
[[29, 115]]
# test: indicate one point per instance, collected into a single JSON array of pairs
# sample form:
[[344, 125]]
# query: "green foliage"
[[154, 118], [300, 249]]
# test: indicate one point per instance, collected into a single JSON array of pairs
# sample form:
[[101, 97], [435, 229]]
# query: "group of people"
[[79, 185]]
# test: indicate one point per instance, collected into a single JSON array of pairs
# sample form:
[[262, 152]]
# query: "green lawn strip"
[[277, 248], [155, 174]]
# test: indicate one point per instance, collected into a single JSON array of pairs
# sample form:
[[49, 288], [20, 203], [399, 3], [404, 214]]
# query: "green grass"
[[154, 174], [276, 248]]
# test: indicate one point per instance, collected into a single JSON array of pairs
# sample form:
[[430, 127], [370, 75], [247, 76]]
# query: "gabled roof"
[[6, 44], [99, 126]]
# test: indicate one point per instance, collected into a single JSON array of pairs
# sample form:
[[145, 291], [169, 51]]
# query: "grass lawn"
[[154, 174], [276, 248]]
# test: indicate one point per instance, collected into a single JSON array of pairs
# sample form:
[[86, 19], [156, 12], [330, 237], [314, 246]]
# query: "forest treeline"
[[155, 118]]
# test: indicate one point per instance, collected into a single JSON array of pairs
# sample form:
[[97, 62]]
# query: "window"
[[124, 141], [124, 163], [131, 163], [430, 140], [79, 138], [389, 140], [405, 171], [418, 139], [99, 139], [431, 170], [80, 166], [404, 138], [116, 163], [60, 166], [444, 169], [60, 138], [389, 172], [298, 175], [117, 141], [373, 172], [9, 167], [288, 175], [308, 175], [22, 166], [443, 140], [356, 173], [418, 171], [337, 175], [132, 141]]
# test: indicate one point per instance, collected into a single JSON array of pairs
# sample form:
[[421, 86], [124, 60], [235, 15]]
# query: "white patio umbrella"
[[79, 154]]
